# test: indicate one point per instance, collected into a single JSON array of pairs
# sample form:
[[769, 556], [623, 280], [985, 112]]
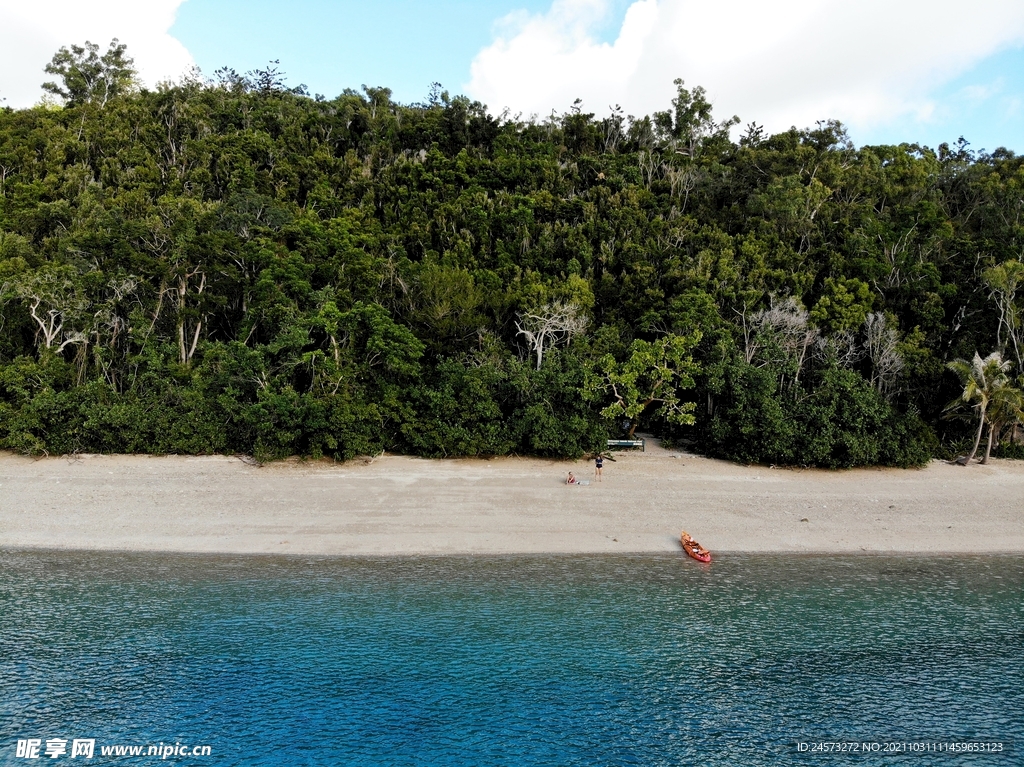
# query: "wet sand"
[[401, 505]]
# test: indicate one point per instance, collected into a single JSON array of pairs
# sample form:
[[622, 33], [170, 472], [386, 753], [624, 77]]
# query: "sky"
[[924, 71]]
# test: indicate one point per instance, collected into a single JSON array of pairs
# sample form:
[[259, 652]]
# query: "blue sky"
[[406, 45], [401, 44], [892, 70], [331, 46], [985, 105]]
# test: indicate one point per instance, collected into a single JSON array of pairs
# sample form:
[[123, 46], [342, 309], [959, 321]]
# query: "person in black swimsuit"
[[598, 465]]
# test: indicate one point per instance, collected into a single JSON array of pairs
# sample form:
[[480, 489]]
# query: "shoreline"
[[398, 505], [719, 554]]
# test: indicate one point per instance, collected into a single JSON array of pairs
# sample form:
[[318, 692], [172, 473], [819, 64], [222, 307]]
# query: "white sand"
[[399, 505]]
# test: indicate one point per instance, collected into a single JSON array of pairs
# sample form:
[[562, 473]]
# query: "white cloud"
[[33, 30], [776, 62]]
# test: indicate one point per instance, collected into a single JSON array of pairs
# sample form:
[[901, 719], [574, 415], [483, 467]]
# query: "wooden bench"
[[640, 443]]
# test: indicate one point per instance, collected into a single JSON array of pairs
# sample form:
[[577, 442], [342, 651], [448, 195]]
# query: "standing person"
[[598, 465]]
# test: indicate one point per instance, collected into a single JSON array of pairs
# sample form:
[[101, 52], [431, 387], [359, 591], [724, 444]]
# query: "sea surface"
[[524, 660]]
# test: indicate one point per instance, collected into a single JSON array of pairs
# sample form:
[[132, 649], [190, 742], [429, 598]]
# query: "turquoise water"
[[588, 660]]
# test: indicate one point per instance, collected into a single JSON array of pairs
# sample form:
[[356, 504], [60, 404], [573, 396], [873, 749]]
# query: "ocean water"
[[567, 660]]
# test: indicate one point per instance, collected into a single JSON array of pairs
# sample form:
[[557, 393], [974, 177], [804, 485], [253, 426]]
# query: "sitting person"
[[572, 479], [688, 541]]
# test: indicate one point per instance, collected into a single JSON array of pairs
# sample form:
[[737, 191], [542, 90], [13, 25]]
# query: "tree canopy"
[[87, 77], [234, 266]]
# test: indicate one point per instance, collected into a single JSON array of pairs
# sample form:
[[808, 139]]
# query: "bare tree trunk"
[[184, 350], [181, 340], [977, 437], [195, 340], [554, 323], [81, 360], [50, 328], [182, 288], [159, 305], [988, 448]]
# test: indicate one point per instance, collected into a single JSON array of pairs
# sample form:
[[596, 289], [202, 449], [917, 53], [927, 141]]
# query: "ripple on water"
[[568, 660]]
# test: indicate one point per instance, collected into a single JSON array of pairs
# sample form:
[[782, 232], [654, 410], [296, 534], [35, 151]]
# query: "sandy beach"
[[402, 505]]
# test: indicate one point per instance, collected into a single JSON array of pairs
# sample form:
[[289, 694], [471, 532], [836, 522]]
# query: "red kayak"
[[693, 548]]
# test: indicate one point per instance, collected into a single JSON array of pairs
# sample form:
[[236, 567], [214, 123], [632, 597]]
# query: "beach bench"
[[640, 443]]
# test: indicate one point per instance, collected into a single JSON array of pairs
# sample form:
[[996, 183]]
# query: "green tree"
[[844, 305], [984, 380], [88, 77], [236, 266], [690, 123], [551, 325], [654, 373], [1003, 282], [54, 298], [1005, 409]]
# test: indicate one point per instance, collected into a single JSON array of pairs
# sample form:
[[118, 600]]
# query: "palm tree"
[[982, 379], [1006, 407]]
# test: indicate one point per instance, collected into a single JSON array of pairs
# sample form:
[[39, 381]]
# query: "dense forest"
[[233, 265]]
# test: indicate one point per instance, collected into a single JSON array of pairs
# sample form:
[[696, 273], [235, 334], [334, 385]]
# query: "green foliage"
[[232, 266], [989, 391], [690, 126], [552, 414], [496, 409], [838, 420], [87, 77], [1004, 282], [751, 423], [1014, 450], [844, 305], [460, 413], [654, 373]]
